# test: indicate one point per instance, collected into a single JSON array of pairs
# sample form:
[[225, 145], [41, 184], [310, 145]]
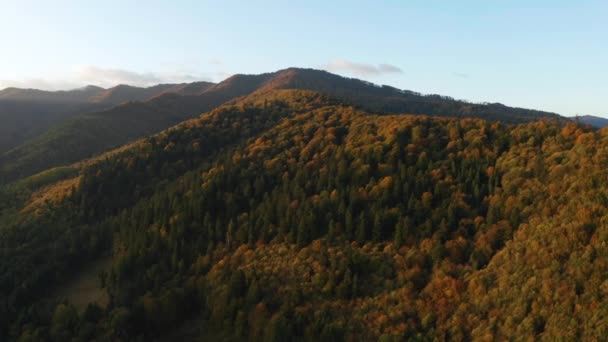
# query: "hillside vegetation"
[[90, 134], [21, 121], [292, 215], [26, 114]]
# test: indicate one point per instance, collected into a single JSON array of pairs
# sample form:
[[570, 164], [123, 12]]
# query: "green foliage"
[[290, 215], [81, 136], [22, 120]]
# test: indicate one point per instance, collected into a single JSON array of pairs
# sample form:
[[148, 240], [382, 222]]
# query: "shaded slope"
[[93, 133], [28, 113], [24, 120]]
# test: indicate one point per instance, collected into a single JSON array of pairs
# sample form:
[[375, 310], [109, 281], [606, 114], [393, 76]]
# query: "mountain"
[[27, 113], [77, 95], [92, 133], [22, 120], [93, 94], [194, 88], [123, 93], [385, 99], [89, 134], [291, 214], [594, 121]]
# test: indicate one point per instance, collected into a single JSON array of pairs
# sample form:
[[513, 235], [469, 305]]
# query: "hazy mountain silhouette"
[[594, 121], [27, 113]]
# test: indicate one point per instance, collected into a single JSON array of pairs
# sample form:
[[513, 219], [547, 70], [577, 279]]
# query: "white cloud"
[[38, 83], [462, 75], [110, 77], [106, 77], [361, 69]]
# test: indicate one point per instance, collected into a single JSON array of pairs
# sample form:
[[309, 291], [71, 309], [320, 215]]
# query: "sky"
[[548, 55]]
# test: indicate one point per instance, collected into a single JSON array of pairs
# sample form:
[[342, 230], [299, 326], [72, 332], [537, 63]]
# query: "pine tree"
[[230, 234], [362, 229], [377, 229], [399, 238], [348, 225], [331, 231], [303, 238]]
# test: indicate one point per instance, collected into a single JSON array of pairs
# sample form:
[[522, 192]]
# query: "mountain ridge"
[[595, 121], [26, 114], [92, 133], [95, 94]]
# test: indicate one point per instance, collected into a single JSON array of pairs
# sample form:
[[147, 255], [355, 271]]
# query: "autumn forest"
[[299, 206]]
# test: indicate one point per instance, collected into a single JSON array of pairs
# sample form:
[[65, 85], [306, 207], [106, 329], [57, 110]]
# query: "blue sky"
[[550, 55]]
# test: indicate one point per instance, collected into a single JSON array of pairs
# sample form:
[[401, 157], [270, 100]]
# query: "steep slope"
[[93, 133], [28, 113], [18, 229], [24, 120], [550, 280], [88, 134]]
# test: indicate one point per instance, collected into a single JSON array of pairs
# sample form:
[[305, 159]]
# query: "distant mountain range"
[[27, 113], [94, 94], [80, 129], [591, 120]]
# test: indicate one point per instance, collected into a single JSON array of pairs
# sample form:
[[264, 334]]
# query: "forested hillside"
[[292, 215], [86, 135], [28, 113], [21, 121]]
